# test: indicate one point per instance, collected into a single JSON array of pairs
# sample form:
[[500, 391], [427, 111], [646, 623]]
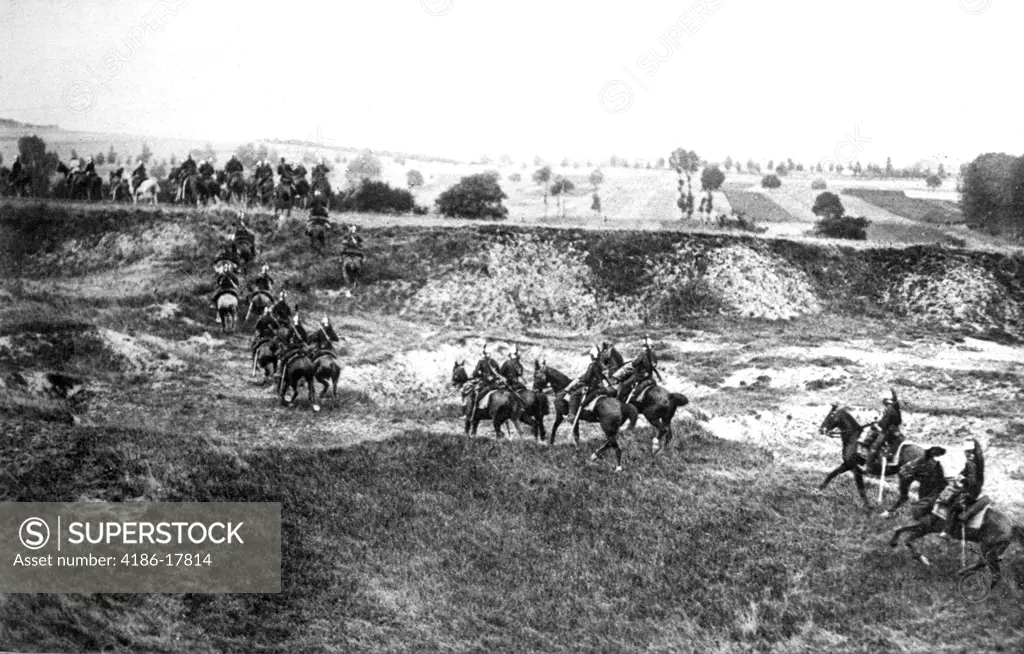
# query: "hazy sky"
[[747, 78]]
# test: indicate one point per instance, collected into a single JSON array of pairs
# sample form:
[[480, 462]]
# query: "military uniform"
[[284, 171], [637, 371], [138, 174], [206, 170], [959, 497], [888, 427], [233, 166], [592, 381], [281, 311]]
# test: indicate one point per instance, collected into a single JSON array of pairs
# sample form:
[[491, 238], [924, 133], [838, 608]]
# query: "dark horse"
[[659, 406], [259, 300], [503, 405], [995, 533], [299, 368], [283, 199], [535, 405], [264, 357], [316, 229], [609, 412], [853, 461], [326, 369]]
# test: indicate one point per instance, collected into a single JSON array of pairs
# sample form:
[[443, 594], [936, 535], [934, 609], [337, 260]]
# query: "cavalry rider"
[[266, 328], [318, 210], [959, 496], [635, 375], [186, 170], [325, 337], [281, 310], [320, 170], [285, 172], [512, 371], [263, 282], [484, 378], [227, 282], [206, 170], [139, 174], [593, 381], [263, 171], [90, 168], [243, 233], [352, 243], [297, 343], [16, 169], [233, 165], [888, 425]]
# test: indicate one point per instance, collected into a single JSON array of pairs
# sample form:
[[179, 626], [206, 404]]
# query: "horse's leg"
[[858, 478], [840, 469], [559, 416], [312, 390]]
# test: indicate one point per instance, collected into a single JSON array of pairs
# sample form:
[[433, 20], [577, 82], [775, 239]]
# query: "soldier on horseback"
[[888, 433], [227, 282], [593, 382], [352, 244], [90, 168], [325, 338], [638, 373], [263, 281], [281, 310], [185, 170], [233, 165], [958, 497], [320, 170], [318, 210], [483, 379], [296, 344], [512, 371], [139, 175], [206, 170], [285, 173], [266, 328]]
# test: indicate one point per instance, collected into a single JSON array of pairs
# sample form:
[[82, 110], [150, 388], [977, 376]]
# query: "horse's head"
[[831, 421], [925, 468], [459, 375], [540, 375]]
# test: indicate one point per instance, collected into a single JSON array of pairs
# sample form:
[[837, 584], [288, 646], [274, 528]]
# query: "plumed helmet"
[[886, 397], [90, 157], [265, 268], [316, 193], [515, 351], [647, 342], [969, 444], [326, 322], [282, 295], [295, 318], [593, 352]]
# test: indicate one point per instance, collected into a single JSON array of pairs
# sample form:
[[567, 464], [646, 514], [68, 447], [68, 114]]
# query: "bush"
[[847, 227], [933, 181], [712, 179], [475, 196], [819, 185], [515, 177], [414, 178], [374, 197], [771, 181]]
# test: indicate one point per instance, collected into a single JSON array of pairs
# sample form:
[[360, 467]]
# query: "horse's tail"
[[678, 399]]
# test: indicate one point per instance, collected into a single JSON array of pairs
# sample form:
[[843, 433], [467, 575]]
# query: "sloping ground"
[[898, 202]]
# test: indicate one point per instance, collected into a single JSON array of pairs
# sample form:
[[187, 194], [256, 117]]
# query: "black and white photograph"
[[452, 326]]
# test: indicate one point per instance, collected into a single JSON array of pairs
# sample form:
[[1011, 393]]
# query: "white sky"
[[762, 79]]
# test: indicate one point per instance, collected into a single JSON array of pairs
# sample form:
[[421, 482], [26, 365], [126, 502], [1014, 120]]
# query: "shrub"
[[847, 227], [374, 197], [819, 185], [515, 177], [933, 181], [771, 181], [475, 196], [414, 178], [712, 179], [364, 166]]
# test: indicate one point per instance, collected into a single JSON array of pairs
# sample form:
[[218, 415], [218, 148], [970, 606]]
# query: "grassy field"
[[402, 535], [919, 209]]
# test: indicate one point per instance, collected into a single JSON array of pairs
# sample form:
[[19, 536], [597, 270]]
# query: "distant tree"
[[542, 177], [987, 189], [560, 189], [831, 167], [414, 178], [771, 181], [857, 169], [933, 181], [661, 162], [565, 162], [399, 159], [74, 154], [753, 166], [515, 177], [159, 169], [728, 163], [790, 166], [771, 164], [889, 170], [942, 171], [781, 170], [146, 154], [247, 155], [712, 179], [596, 204], [111, 155], [365, 165], [839, 169], [493, 174], [819, 185], [800, 168], [484, 159], [37, 162], [827, 205], [685, 162], [596, 178], [538, 160], [505, 160], [174, 161], [100, 159], [476, 196]]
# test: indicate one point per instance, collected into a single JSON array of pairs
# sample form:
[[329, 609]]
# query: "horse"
[[853, 461], [535, 405], [87, 184], [147, 188], [301, 191], [658, 406], [995, 533], [17, 186], [299, 368], [232, 186], [326, 369], [503, 405], [192, 190], [609, 412], [262, 192], [283, 197], [245, 250], [258, 301], [227, 310], [264, 357]]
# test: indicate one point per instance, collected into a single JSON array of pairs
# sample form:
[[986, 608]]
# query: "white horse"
[[148, 187]]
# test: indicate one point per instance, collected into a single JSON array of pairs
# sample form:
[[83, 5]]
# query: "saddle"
[[640, 391], [321, 353], [224, 291]]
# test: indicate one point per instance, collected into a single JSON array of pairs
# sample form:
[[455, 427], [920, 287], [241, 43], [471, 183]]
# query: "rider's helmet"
[[295, 319], [283, 295], [352, 228], [515, 352], [316, 193], [968, 446], [326, 322], [593, 353], [265, 269], [887, 397], [90, 158], [647, 343]]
